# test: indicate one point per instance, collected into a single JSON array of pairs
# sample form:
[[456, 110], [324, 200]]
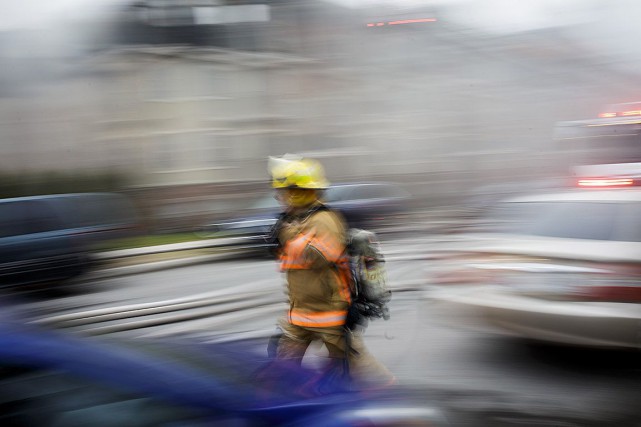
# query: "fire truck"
[[614, 137]]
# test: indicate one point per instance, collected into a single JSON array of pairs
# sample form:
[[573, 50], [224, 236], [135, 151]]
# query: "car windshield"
[[573, 220], [337, 193], [266, 202]]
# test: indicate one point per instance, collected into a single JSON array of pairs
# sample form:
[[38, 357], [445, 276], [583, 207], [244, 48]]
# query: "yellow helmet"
[[288, 172]]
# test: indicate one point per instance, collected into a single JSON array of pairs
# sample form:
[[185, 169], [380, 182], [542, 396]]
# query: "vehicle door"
[[33, 242]]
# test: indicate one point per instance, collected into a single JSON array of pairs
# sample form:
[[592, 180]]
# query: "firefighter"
[[312, 255]]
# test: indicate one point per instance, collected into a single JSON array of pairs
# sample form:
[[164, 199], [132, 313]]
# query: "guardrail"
[[215, 307], [254, 242], [230, 242]]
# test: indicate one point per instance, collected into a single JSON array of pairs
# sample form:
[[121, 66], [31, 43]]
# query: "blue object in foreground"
[[49, 378]]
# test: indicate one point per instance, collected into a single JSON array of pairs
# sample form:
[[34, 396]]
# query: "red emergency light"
[[401, 22], [605, 182], [630, 113], [628, 109]]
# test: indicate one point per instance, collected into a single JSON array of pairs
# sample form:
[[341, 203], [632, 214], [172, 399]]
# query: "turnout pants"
[[364, 370]]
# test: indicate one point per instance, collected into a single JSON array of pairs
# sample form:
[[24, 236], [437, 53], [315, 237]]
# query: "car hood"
[[220, 376], [551, 247]]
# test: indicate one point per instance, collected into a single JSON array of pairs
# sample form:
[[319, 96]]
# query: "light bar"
[[401, 22], [411, 21], [605, 182], [628, 113]]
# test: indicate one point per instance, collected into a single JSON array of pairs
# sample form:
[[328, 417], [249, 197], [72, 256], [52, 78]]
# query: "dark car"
[[368, 205], [49, 378], [364, 205], [49, 238]]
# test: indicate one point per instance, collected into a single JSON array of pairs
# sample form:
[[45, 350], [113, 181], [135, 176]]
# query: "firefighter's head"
[[299, 180]]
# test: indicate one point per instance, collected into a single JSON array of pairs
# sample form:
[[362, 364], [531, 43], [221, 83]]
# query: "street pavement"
[[479, 377]]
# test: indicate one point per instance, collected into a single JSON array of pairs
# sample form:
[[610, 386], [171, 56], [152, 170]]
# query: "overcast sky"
[[20, 14], [610, 27], [494, 15]]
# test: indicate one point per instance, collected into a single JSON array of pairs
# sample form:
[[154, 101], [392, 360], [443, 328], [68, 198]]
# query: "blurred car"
[[483, 197], [48, 378], [49, 238], [364, 205], [560, 267]]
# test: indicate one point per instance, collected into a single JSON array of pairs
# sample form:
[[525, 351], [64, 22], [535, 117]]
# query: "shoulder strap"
[[316, 208]]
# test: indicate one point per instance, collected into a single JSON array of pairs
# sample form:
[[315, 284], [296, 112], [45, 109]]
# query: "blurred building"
[[201, 92]]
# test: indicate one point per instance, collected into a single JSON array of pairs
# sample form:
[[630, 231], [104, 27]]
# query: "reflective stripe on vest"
[[330, 250], [318, 320], [292, 255]]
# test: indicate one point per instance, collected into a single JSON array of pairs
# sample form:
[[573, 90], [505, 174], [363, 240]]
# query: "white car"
[[560, 267]]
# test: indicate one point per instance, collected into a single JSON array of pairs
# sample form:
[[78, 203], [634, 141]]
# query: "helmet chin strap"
[[300, 199]]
